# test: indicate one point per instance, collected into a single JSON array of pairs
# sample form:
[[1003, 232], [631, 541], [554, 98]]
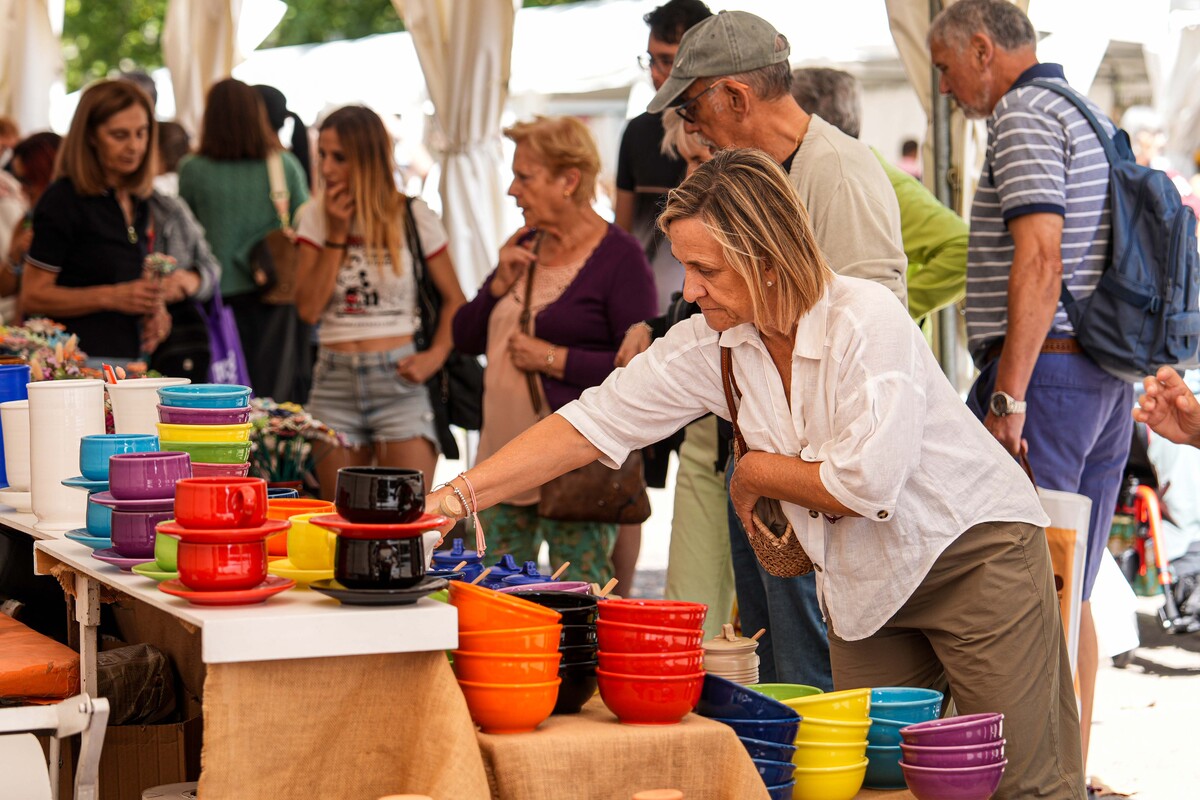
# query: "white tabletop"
[[24, 521], [298, 623]]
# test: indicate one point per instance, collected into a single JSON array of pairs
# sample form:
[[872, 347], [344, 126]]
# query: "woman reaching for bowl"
[[926, 537]]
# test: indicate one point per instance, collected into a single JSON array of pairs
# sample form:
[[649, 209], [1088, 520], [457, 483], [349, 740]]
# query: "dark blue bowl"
[[724, 698], [767, 730], [767, 751], [781, 792], [883, 769], [775, 772], [277, 492]]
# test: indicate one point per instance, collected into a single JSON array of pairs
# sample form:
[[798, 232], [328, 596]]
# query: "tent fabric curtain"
[[30, 62], [465, 51], [199, 45]]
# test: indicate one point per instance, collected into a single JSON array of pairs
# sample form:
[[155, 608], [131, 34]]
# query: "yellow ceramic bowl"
[[851, 705], [203, 433], [303, 577], [828, 754], [309, 546], [828, 783], [815, 729]]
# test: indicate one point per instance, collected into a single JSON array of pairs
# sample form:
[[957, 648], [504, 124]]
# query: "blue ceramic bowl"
[[95, 450], [767, 751], [906, 703], [883, 769], [724, 698], [205, 395], [768, 730], [775, 772], [281, 491], [885, 732], [782, 791], [99, 519]]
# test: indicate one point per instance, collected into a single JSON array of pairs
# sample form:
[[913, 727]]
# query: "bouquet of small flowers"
[[51, 352], [283, 440]]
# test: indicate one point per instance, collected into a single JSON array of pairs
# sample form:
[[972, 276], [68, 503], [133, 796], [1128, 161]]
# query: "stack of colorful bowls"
[[577, 644], [507, 658], [831, 745], [211, 423], [957, 758], [222, 528], [94, 452], [732, 657], [141, 494], [765, 727], [651, 665], [892, 708]]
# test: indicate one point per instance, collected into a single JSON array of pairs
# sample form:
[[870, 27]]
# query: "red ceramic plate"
[[223, 535], [401, 530], [244, 597]]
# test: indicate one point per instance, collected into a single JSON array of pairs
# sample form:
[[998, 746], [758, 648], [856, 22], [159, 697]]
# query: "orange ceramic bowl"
[[688, 662], [510, 708], [660, 613], [285, 507], [543, 639], [482, 609], [622, 637], [650, 699], [506, 667]]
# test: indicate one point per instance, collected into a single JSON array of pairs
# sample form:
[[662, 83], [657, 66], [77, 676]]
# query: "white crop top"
[[370, 300]]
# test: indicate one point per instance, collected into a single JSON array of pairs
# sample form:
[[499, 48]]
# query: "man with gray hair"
[[1040, 220]]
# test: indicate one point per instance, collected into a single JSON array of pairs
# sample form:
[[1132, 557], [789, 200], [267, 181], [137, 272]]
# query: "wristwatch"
[[1003, 405]]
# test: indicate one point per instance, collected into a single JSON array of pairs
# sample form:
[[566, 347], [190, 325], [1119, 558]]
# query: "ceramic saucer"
[[154, 573], [401, 530], [153, 504], [110, 556], [82, 536], [242, 597], [379, 597], [20, 501], [80, 482], [284, 568], [223, 535]]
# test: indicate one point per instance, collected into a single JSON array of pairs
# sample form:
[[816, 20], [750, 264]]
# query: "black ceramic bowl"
[[379, 563], [577, 634], [380, 495], [578, 654], [576, 609], [577, 687]]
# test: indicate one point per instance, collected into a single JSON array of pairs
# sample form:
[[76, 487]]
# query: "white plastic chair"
[[21, 757]]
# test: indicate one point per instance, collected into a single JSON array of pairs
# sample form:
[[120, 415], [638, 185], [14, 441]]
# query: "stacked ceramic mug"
[[211, 423], [141, 494], [94, 453], [732, 657]]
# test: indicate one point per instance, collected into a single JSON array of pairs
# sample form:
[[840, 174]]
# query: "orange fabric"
[[33, 666]]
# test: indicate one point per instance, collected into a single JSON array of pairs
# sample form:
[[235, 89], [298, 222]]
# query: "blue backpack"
[[1145, 311]]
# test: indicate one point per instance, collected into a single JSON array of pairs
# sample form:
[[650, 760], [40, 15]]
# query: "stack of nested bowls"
[[141, 494], [222, 528], [577, 644], [211, 423], [732, 657], [651, 665], [507, 658], [892, 708], [957, 758], [831, 745], [765, 726], [94, 452]]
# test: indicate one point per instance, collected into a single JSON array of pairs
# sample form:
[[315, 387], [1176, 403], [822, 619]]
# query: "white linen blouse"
[[895, 442]]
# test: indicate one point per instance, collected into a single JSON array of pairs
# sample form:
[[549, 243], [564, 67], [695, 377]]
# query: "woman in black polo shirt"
[[92, 231]]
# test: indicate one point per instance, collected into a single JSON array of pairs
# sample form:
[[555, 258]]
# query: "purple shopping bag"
[[228, 363]]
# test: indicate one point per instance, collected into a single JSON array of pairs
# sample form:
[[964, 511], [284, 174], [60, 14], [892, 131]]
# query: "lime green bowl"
[[203, 433], [213, 452], [784, 691]]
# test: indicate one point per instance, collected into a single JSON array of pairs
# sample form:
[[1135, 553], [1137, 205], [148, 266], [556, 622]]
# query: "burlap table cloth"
[[355, 727], [590, 756]]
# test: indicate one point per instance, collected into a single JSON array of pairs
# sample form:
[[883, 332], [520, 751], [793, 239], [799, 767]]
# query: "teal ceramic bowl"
[[215, 452], [205, 395]]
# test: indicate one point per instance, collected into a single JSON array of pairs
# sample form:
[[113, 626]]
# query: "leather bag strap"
[[531, 378], [731, 393]]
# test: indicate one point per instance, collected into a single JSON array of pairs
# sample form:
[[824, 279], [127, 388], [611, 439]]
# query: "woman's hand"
[[156, 326], [514, 262], [339, 211], [420, 367], [1170, 408], [180, 285], [143, 296], [636, 341], [528, 353], [742, 492]]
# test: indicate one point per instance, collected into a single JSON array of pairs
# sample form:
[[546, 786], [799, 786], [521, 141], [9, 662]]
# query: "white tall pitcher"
[[60, 414]]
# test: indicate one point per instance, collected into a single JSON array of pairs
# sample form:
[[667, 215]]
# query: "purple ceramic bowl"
[[133, 532], [579, 587], [955, 731], [180, 415], [971, 783], [203, 470], [971, 755], [147, 476]]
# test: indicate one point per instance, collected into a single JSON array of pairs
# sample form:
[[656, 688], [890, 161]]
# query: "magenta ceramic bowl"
[[203, 470], [579, 587], [955, 731], [181, 415], [970, 755], [147, 476], [133, 532], [969, 783]]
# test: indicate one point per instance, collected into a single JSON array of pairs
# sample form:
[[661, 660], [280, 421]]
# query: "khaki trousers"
[[984, 625]]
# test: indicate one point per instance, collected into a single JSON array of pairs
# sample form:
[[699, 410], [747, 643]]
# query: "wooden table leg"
[[87, 614]]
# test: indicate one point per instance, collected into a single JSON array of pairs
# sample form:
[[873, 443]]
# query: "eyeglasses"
[[687, 111], [649, 62]]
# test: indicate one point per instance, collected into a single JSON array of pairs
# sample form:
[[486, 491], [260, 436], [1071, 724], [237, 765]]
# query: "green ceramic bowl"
[[215, 452], [165, 550], [784, 691]]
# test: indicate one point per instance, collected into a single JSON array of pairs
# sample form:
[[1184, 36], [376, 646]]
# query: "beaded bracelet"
[[480, 542]]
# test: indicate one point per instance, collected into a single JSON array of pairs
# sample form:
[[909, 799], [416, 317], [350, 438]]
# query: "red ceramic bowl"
[[650, 700], [971, 755], [685, 663], [542, 639], [621, 637], [511, 668], [663, 613], [510, 708], [221, 502], [222, 567], [482, 609]]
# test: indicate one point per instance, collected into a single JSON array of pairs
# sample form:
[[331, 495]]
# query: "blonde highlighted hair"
[[379, 206], [562, 143], [745, 200], [77, 158]]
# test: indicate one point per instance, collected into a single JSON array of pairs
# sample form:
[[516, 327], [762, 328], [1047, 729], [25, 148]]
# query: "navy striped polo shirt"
[[1042, 156]]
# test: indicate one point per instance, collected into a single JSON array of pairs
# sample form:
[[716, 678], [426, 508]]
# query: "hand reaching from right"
[[1169, 408]]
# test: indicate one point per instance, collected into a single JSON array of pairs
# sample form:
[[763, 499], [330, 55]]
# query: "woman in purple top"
[[590, 282]]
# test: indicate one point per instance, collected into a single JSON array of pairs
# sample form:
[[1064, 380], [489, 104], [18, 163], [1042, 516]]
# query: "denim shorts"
[[362, 396]]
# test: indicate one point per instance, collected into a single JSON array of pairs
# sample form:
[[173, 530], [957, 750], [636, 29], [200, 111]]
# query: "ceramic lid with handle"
[[528, 574], [446, 559], [729, 642]]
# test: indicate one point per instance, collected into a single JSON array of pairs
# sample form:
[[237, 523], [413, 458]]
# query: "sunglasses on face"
[[688, 110]]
